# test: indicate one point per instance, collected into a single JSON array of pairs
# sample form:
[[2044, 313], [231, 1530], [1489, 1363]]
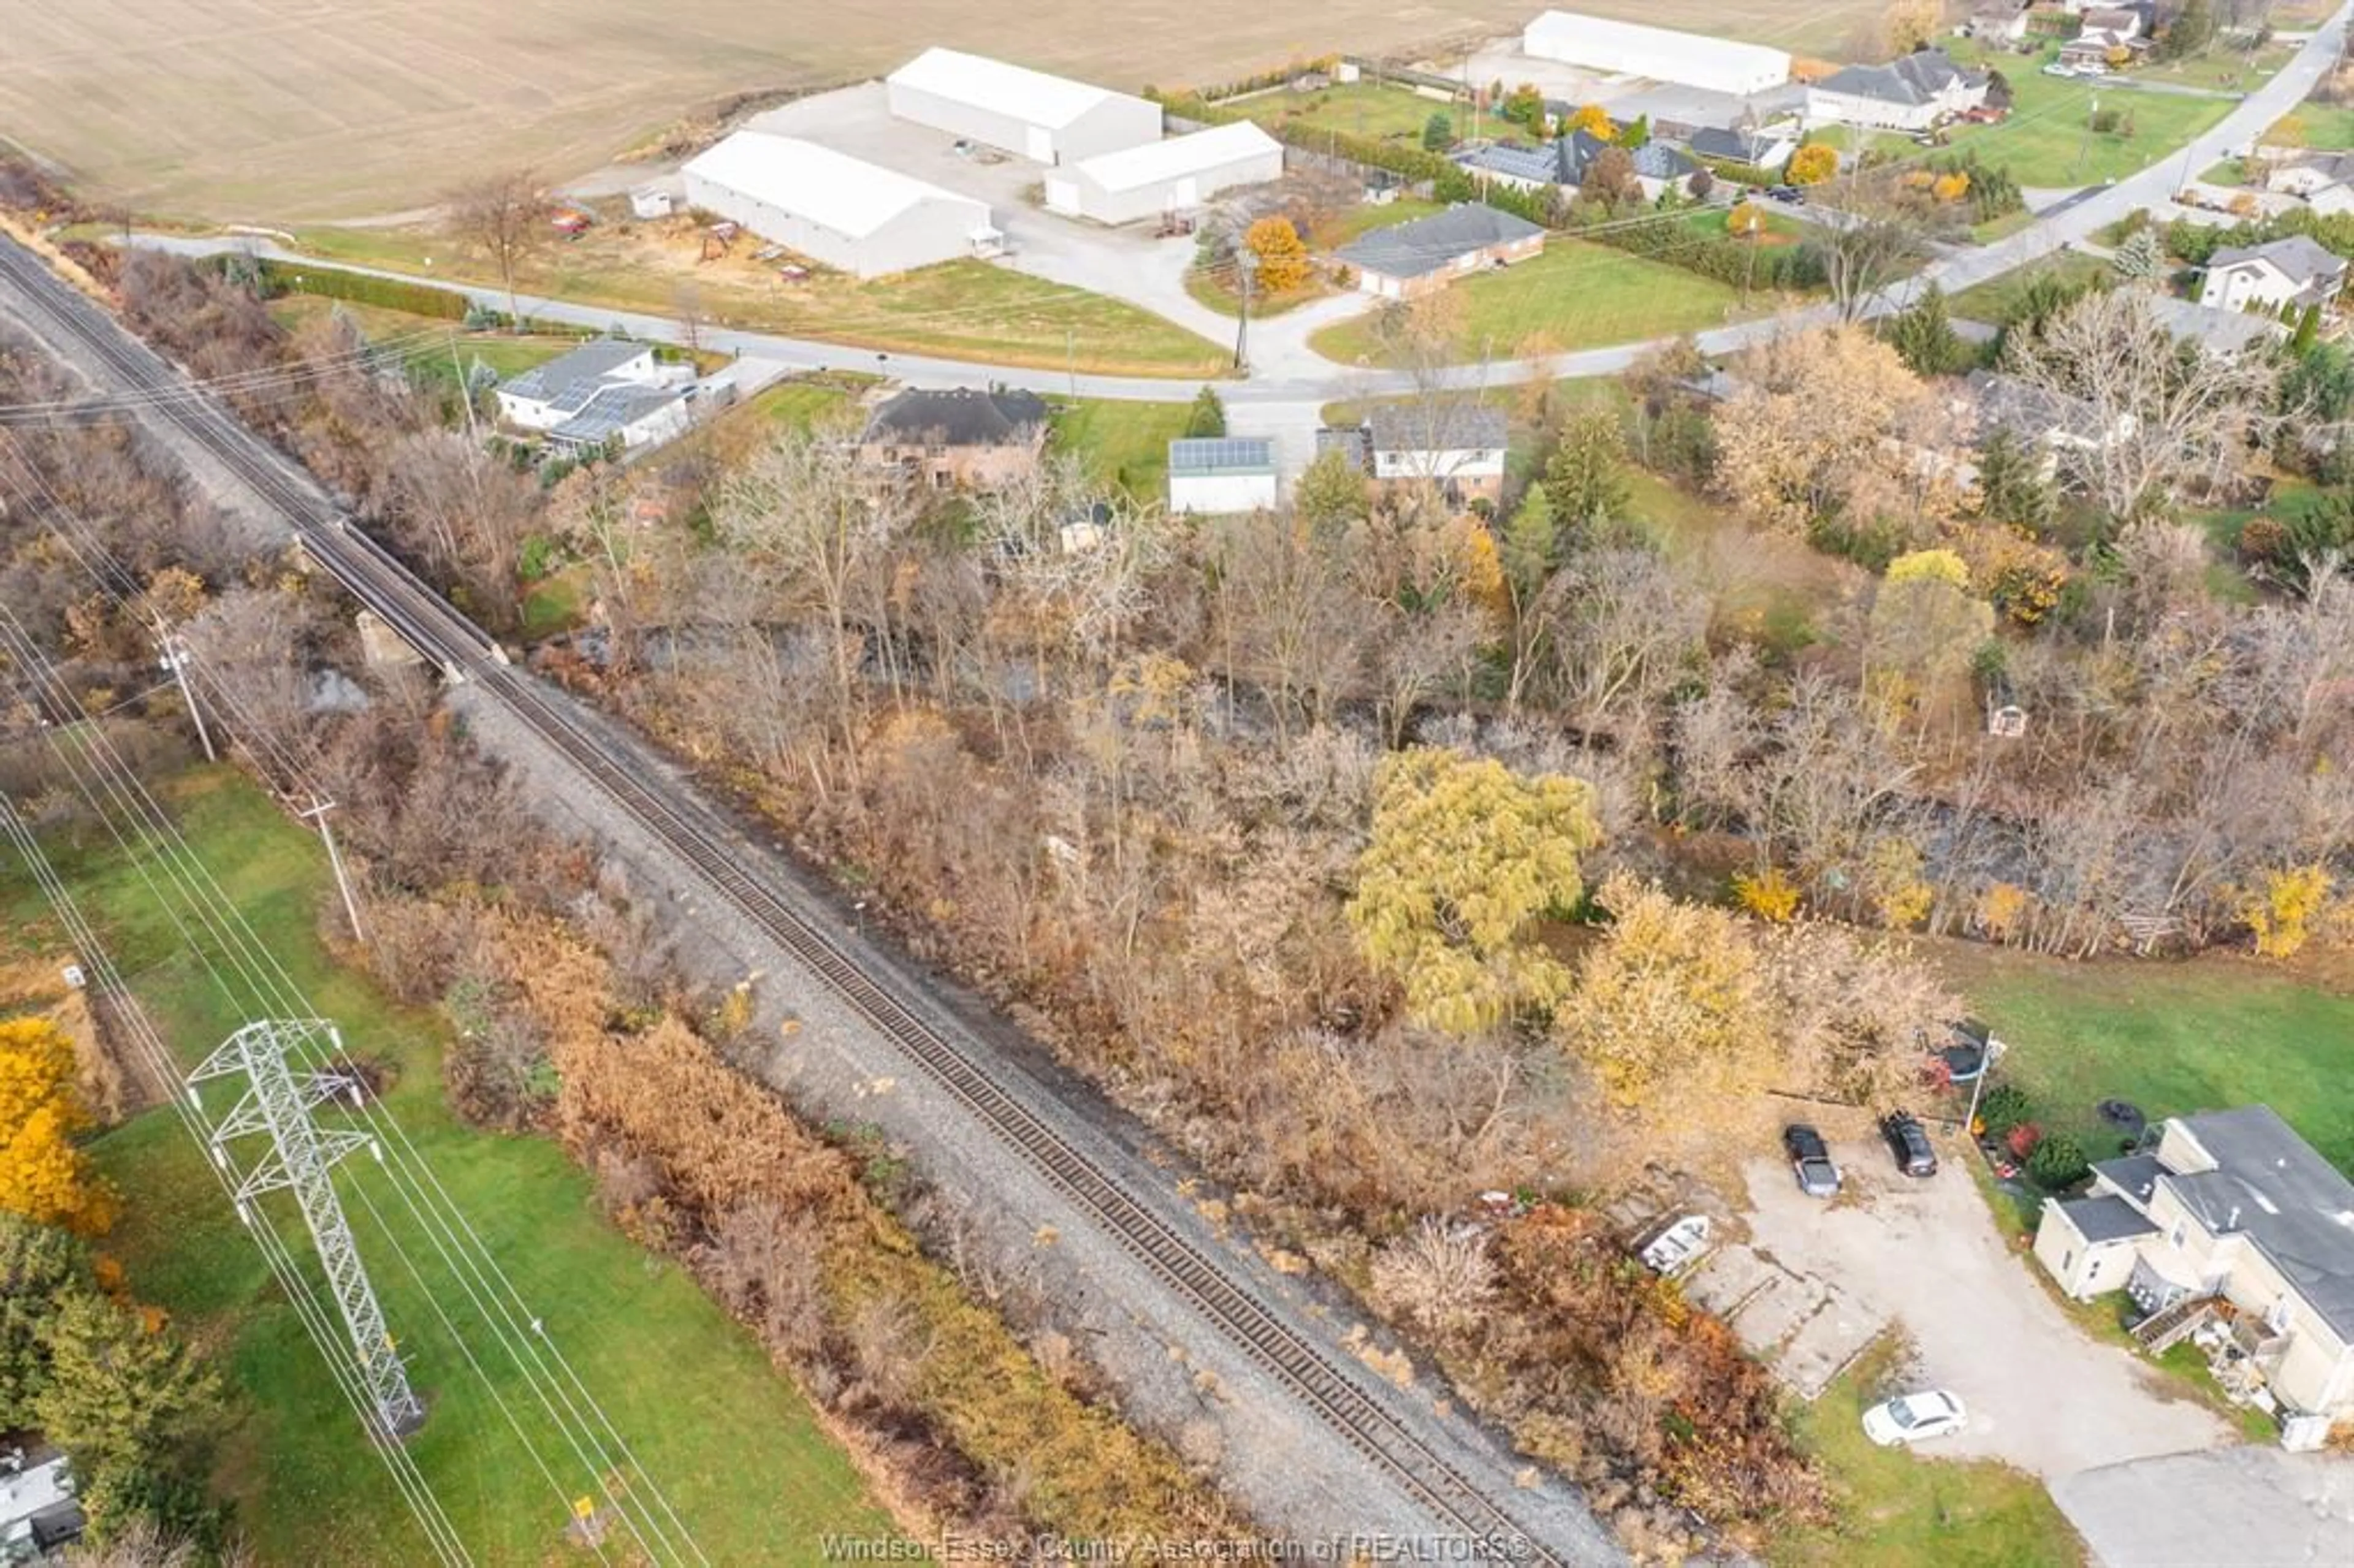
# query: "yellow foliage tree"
[[1769, 895], [1812, 164], [1744, 220], [1282, 255], [2283, 911], [1893, 881], [1465, 858], [2000, 910], [1594, 121], [43, 1176], [1951, 187], [1675, 1013]]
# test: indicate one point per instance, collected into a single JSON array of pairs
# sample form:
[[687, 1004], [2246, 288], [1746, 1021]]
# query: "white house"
[[600, 392], [1629, 48], [1914, 92], [1165, 176], [854, 216], [1456, 445], [2292, 270], [1221, 474], [1045, 119], [38, 1512], [2231, 1207]]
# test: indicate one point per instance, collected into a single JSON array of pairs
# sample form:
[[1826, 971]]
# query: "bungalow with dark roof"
[[960, 439], [1411, 260], [2233, 1215], [1563, 161], [1757, 146], [1912, 93]]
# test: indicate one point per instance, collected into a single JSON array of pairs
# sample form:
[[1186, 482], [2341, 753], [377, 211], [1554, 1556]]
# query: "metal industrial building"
[[1626, 48], [1165, 176], [847, 213], [1045, 119]]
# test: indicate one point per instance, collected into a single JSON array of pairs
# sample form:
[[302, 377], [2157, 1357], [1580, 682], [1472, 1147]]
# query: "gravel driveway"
[[1927, 1256]]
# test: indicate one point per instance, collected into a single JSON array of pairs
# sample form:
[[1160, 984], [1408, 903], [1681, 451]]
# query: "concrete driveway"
[[1926, 1256], [2253, 1507]]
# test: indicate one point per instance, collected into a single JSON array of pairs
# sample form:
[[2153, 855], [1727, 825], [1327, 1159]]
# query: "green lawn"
[[2219, 68], [1576, 295], [426, 342], [731, 1444], [1899, 1509], [1358, 109], [555, 603], [2048, 140], [1126, 444], [1995, 300], [2171, 1037], [2325, 126], [966, 309], [800, 405]]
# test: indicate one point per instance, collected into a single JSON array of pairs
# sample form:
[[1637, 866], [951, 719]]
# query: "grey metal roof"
[[1563, 160], [965, 416], [1201, 456], [613, 408], [570, 380], [2136, 1175], [2271, 1185], [1732, 144], [2106, 1219], [1454, 425], [2297, 255], [2027, 410], [1914, 79], [1350, 441], [1428, 244]]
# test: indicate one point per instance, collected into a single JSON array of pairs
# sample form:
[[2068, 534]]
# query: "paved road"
[[1290, 377], [2249, 1508]]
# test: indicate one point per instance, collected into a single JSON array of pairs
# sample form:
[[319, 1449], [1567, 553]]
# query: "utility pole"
[[1071, 357], [175, 659], [465, 391], [320, 809], [1247, 261], [277, 1104]]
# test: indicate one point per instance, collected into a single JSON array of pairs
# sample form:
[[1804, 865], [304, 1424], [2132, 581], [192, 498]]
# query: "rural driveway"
[[1926, 1254]]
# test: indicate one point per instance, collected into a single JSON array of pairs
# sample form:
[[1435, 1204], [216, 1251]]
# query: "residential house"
[[1407, 260], [1765, 148], [2323, 181], [2097, 50], [2038, 418], [1564, 161], [2291, 270], [2222, 334], [37, 1510], [1455, 444], [2119, 21], [1996, 25], [960, 439], [1352, 442], [1222, 474], [606, 390], [1921, 89], [2230, 1207]]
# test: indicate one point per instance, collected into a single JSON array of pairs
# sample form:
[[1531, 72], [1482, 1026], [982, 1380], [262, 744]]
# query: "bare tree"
[[1867, 239], [505, 215]]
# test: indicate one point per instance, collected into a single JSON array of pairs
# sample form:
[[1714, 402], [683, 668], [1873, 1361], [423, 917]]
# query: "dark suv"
[[1909, 1142], [1810, 1161]]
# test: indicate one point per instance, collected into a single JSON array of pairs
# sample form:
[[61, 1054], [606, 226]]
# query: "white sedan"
[[1916, 1418]]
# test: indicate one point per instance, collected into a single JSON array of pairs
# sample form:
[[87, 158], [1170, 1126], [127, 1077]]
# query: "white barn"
[[847, 213], [1627, 48], [1163, 177], [1045, 119]]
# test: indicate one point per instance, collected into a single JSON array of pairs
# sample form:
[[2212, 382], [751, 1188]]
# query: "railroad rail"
[[1329, 1383]]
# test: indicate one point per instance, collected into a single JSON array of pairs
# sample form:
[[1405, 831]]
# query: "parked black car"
[[1789, 195], [1810, 1161], [1909, 1142]]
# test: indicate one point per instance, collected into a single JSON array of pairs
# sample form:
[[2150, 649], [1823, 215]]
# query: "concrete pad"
[[1826, 1342], [1775, 1312], [1727, 1278], [2251, 1508]]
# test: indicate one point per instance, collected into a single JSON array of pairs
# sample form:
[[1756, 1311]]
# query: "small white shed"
[[1222, 474], [652, 201], [1046, 119], [1165, 176]]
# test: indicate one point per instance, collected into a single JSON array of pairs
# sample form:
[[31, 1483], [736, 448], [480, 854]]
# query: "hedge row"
[[1281, 76], [276, 278], [1718, 256]]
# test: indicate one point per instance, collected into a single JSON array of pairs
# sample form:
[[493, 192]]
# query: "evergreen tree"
[[2192, 31], [1923, 337], [1584, 483], [1637, 134], [39, 1267], [129, 1404], [2308, 328], [1437, 133], [1532, 542], [1208, 417], [1332, 493], [2011, 486], [2140, 256]]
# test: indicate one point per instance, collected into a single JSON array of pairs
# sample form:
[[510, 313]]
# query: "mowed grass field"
[[731, 1443], [287, 111], [2048, 141]]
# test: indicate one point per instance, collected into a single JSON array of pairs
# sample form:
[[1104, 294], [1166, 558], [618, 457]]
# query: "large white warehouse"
[[1627, 48], [1165, 176], [1045, 119], [850, 215]]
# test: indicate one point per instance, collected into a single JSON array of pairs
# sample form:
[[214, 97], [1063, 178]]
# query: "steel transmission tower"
[[278, 1102]]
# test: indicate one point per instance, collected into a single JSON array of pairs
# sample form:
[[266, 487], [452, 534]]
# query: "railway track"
[[1330, 1383]]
